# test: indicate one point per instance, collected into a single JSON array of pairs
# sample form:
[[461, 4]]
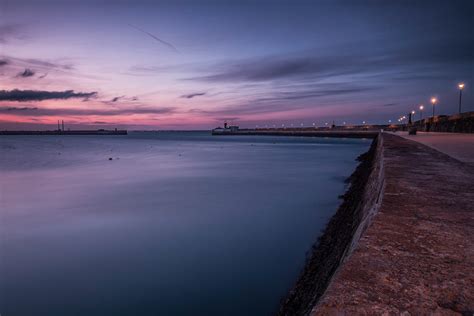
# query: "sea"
[[162, 223]]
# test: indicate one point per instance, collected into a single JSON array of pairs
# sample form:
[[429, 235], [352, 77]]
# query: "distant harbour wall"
[[336, 133], [60, 132]]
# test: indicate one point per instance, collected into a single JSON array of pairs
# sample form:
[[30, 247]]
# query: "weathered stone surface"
[[417, 255]]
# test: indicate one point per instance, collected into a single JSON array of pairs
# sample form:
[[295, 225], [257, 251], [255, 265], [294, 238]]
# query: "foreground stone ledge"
[[417, 255]]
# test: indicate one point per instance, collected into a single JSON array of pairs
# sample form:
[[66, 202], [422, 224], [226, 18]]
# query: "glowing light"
[[413, 112], [461, 86], [421, 107], [434, 100]]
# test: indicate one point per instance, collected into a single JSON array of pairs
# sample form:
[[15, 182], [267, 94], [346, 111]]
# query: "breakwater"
[[61, 132], [359, 204], [400, 243], [303, 132]]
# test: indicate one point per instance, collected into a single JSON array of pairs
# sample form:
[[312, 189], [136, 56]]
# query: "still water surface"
[[175, 224]]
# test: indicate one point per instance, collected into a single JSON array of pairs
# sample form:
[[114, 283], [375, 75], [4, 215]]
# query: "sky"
[[194, 64]]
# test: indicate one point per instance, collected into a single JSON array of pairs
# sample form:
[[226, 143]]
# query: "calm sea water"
[[175, 224]]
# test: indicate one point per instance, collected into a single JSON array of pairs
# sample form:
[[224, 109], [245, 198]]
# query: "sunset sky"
[[193, 64]]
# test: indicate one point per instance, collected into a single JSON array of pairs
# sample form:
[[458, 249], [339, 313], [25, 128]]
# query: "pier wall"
[[458, 123], [401, 243], [360, 203]]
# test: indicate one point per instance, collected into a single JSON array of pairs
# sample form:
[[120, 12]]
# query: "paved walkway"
[[417, 256], [459, 146]]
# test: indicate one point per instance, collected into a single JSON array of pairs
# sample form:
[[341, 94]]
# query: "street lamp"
[[460, 86], [433, 102], [421, 111]]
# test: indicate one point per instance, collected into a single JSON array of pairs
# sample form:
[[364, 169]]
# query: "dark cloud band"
[[35, 95], [36, 111], [192, 95]]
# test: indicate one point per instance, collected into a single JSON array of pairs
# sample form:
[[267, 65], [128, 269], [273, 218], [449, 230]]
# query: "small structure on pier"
[[226, 129]]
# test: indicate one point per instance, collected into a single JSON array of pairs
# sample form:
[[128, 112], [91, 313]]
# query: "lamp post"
[[433, 102], [460, 86], [421, 112]]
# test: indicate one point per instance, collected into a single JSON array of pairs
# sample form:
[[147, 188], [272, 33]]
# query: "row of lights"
[[401, 119], [302, 125], [433, 102]]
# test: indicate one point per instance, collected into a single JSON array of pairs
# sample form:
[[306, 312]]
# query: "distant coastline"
[[61, 132]]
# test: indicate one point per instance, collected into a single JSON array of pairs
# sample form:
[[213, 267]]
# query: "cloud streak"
[[26, 73], [36, 111], [36, 95], [154, 37], [313, 65], [193, 95]]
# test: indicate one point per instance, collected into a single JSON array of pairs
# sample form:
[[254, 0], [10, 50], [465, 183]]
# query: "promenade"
[[417, 255], [459, 146]]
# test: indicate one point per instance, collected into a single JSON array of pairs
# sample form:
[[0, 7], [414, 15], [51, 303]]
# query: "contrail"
[[154, 37]]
